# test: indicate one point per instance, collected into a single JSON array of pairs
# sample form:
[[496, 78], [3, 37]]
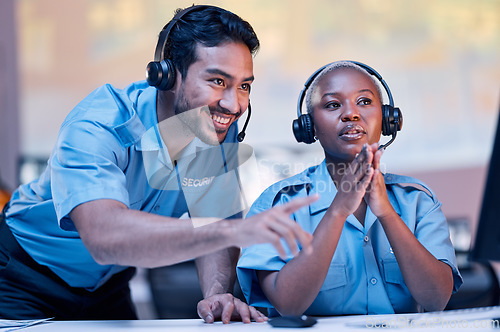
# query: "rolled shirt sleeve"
[[85, 168]]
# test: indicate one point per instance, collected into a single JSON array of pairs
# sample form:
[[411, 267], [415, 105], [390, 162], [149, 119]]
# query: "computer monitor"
[[486, 246]]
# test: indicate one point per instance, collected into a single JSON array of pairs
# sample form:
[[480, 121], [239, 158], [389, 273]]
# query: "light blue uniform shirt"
[[100, 154], [364, 276]]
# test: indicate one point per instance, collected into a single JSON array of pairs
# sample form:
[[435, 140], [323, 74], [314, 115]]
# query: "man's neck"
[[164, 105], [172, 130]]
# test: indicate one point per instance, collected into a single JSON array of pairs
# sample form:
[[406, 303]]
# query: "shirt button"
[[367, 238], [373, 281], [157, 208]]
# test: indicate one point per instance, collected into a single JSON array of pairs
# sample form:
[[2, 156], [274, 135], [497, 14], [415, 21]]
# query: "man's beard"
[[191, 118]]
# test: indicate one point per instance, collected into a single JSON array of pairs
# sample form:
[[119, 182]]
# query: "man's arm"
[[217, 271], [114, 234], [217, 274]]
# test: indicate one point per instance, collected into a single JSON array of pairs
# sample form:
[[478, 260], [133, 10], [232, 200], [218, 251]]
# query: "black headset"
[[161, 73], [392, 118]]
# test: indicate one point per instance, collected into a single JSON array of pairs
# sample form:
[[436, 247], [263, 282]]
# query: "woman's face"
[[347, 113]]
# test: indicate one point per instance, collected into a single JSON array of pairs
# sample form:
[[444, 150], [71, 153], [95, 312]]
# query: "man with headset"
[[115, 192]]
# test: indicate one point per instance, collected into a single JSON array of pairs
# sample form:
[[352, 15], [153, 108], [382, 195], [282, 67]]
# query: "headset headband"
[[392, 119], [369, 69], [163, 37]]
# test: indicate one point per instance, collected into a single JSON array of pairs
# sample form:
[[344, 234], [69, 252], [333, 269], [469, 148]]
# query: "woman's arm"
[[429, 280], [293, 289]]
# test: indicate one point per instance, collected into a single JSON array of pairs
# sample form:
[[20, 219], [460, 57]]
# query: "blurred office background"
[[441, 59]]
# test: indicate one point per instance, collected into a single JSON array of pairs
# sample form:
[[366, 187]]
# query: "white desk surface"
[[479, 319]]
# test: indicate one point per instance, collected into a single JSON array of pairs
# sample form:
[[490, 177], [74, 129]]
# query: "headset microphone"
[[241, 135], [398, 122]]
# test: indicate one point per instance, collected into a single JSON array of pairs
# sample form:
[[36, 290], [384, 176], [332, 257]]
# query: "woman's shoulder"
[[403, 185]]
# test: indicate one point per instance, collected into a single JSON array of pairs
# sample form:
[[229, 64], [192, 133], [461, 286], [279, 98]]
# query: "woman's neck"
[[337, 168]]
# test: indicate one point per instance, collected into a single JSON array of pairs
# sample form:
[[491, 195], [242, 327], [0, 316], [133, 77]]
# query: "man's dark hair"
[[209, 26]]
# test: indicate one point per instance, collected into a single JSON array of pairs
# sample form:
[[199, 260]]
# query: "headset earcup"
[[153, 73], [168, 76], [308, 126], [161, 74], [303, 129], [387, 120], [398, 116], [392, 120]]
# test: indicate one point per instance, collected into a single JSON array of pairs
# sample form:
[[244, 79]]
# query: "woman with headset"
[[380, 241]]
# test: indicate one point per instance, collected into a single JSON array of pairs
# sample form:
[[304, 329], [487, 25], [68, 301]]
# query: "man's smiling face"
[[220, 78]]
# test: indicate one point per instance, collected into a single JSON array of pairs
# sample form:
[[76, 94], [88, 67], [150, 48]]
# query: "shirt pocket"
[[332, 295], [336, 277], [392, 273]]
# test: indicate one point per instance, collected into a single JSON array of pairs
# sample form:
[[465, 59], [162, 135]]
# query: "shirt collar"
[[142, 113], [152, 142]]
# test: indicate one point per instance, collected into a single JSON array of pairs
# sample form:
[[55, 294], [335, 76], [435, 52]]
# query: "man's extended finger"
[[204, 312], [295, 233], [284, 228], [276, 243], [297, 203]]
